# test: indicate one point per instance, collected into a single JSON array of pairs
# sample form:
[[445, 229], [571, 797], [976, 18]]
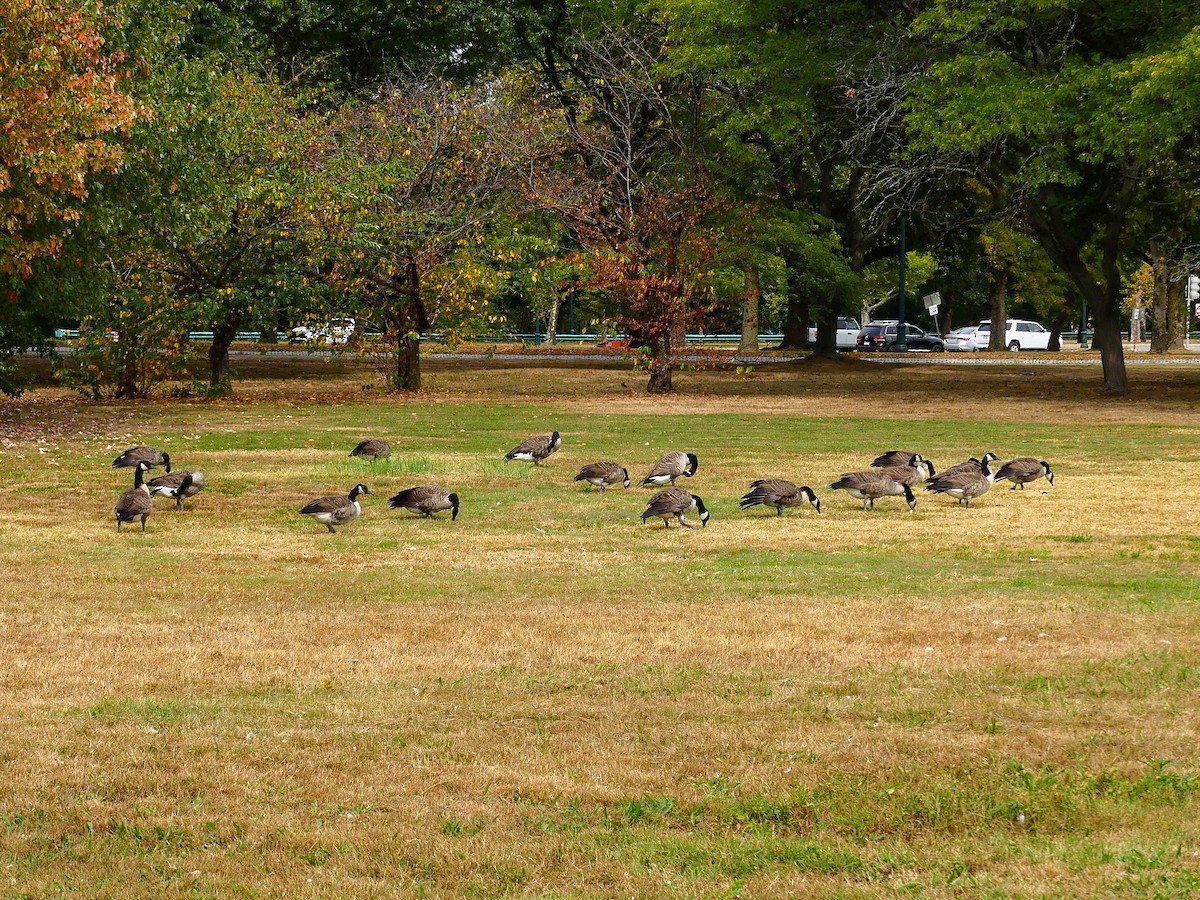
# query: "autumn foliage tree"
[[64, 106], [409, 182], [616, 155]]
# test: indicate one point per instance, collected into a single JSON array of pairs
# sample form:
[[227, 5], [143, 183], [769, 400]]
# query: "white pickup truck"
[[847, 333]]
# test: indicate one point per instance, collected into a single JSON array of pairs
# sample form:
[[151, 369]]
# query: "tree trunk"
[[218, 354], [269, 331], [1056, 330], [409, 320], [1160, 339], [753, 294], [552, 320], [409, 375], [1108, 341], [662, 364], [998, 312], [1177, 316], [795, 321], [128, 384], [827, 333]]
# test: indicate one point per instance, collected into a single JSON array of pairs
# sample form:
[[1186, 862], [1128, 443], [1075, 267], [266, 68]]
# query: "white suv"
[[1019, 334]]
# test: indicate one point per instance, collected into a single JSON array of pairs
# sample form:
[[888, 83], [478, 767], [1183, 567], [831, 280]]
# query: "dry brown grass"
[[546, 698]]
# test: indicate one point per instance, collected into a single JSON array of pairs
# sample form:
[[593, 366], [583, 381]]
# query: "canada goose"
[[872, 484], [670, 467], [330, 511], [536, 448], [777, 493], [1023, 470], [965, 486], [425, 500], [971, 465], [177, 486], [604, 475], [893, 458], [912, 474], [135, 502], [372, 449], [135, 455], [675, 503]]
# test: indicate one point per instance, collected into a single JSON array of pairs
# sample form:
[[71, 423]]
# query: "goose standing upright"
[[330, 511], [135, 503], [150, 455], [675, 464], [536, 448]]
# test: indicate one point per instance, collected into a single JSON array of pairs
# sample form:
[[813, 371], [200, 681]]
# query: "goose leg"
[[330, 527], [683, 522], [144, 518]]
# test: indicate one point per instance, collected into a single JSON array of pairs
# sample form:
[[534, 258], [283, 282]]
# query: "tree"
[[64, 106], [209, 208], [621, 166], [1065, 108], [410, 181]]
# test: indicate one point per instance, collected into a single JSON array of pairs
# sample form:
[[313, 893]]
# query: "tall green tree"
[[1067, 106]]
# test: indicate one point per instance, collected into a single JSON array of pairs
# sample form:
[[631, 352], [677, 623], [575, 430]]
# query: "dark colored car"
[[882, 336]]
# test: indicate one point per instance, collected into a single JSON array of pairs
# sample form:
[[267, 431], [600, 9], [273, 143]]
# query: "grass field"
[[547, 698]]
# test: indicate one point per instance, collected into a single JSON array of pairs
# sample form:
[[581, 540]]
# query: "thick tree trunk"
[[224, 333], [1177, 316], [998, 311], [1160, 340], [1112, 352], [795, 321], [552, 320], [662, 365], [753, 294], [827, 333], [409, 319], [1056, 330]]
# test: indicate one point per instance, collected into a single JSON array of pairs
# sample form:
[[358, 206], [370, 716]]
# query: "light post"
[[1083, 326]]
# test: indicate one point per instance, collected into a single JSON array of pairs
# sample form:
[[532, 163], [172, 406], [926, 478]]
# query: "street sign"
[[1196, 311], [933, 309], [931, 301]]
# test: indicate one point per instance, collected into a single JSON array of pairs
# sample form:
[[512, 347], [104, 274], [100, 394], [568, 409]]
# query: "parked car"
[[965, 339], [882, 336], [847, 333], [1019, 334], [335, 331]]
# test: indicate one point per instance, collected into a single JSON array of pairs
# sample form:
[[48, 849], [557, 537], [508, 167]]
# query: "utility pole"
[[901, 344]]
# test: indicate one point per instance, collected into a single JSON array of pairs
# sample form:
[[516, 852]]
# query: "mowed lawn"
[[549, 698]]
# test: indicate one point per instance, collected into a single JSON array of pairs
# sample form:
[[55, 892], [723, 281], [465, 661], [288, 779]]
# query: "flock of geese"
[[893, 474]]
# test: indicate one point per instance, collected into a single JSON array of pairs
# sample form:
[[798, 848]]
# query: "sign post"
[[931, 302]]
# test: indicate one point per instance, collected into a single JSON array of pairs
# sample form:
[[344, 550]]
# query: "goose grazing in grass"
[[913, 473], [971, 465], [536, 448], [135, 503], [177, 486], [426, 500], [965, 486], [779, 494], [873, 484], [330, 511], [149, 455], [604, 475], [372, 449], [675, 503], [893, 458], [1023, 470], [675, 464]]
